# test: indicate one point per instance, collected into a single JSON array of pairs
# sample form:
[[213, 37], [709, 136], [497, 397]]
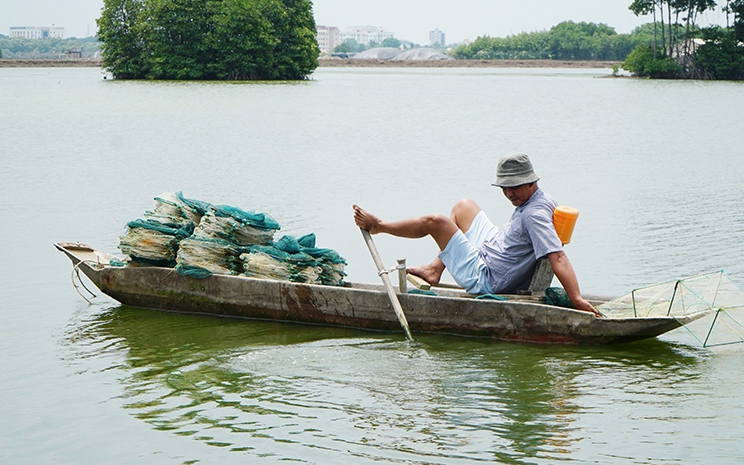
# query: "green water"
[[659, 193]]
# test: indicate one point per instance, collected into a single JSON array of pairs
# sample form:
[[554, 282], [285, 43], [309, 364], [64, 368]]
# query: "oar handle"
[[386, 282]]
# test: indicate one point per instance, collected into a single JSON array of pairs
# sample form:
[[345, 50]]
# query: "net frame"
[[713, 296]]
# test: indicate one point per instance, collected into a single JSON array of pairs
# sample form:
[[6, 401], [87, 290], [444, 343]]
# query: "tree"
[[296, 53], [641, 62], [674, 32], [350, 46], [391, 42], [122, 37], [720, 56], [736, 8], [644, 7], [565, 41], [50, 47], [581, 41], [208, 39]]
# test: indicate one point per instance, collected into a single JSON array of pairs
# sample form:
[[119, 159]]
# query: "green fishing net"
[[233, 229], [200, 239], [153, 241], [557, 296], [297, 260], [717, 300], [179, 208], [199, 255]]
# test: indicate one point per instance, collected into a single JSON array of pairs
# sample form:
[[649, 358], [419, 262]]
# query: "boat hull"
[[359, 306]]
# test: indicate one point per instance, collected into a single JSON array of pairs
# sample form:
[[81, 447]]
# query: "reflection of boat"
[[359, 305]]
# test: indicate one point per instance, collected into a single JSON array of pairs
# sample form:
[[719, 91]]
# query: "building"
[[366, 34], [436, 37], [37, 32], [328, 38]]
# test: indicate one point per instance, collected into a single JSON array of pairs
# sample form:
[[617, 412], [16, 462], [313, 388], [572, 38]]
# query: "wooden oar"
[[386, 281]]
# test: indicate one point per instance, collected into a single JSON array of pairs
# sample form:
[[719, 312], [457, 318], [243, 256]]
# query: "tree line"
[[208, 39], [50, 47], [565, 41], [671, 46], [681, 49]]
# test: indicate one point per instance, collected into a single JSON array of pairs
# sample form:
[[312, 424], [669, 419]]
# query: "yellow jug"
[[564, 220]]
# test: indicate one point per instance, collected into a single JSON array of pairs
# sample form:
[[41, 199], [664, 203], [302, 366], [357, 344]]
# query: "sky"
[[406, 19]]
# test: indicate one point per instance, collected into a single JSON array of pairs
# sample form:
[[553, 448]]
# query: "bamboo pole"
[[386, 282]]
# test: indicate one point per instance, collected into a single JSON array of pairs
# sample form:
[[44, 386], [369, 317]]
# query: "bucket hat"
[[514, 170]]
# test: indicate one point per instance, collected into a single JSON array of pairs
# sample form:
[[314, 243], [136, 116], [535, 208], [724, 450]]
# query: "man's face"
[[520, 194]]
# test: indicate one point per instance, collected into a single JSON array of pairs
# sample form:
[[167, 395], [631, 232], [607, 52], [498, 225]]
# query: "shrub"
[[641, 62]]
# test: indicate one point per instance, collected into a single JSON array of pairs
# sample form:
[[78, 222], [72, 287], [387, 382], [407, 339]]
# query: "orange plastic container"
[[564, 220]]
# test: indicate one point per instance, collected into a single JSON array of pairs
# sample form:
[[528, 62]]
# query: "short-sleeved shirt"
[[510, 255]]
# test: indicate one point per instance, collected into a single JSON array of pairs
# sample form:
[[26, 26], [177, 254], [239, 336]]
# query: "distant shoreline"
[[352, 63], [50, 63]]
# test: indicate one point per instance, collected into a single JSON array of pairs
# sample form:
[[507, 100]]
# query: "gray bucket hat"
[[514, 170]]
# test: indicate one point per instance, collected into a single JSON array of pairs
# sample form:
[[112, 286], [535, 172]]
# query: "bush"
[[641, 62], [720, 56]]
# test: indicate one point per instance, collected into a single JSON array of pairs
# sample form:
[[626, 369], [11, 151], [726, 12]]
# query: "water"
[[653, 166]]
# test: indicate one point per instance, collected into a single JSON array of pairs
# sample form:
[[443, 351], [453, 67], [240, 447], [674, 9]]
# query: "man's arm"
[[566, 275]]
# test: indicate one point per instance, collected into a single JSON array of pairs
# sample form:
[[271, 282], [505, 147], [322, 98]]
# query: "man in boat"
[[481, 258]]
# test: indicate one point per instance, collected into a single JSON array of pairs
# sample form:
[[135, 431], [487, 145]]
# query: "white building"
[[37, 32], [437, 37], [366, 34], [328, 38]]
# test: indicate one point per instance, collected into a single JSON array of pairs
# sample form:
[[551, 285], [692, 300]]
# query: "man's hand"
[[582, 304], [565, 274]]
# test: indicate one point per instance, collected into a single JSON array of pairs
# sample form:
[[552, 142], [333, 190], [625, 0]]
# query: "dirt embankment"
[[351, 63]]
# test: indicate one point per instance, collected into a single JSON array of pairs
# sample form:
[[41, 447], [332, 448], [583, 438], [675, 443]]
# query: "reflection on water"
[[314, 394]]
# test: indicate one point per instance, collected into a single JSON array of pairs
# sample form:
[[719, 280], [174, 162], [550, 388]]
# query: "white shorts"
[[462, 255]]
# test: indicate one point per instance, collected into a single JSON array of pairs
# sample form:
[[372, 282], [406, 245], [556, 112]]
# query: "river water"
[[654, 167]]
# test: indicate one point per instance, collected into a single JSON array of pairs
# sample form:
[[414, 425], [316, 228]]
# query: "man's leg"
[[437, 226], [463, 214]]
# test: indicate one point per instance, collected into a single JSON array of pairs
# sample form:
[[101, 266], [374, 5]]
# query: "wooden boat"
[[363, 306]]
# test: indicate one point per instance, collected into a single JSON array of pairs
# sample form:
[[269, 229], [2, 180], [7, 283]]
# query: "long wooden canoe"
[[363, 306]]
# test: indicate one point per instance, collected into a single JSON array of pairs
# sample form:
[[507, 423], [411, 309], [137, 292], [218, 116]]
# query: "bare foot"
[[430, 273], [366, 220]]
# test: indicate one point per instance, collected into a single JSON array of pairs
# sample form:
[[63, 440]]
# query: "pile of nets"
[[297, 260], [198, 239], [713, 296], [222, 235], [155, 238], [153, 241]]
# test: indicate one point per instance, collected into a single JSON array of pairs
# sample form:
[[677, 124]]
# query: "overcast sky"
[[406, 19]]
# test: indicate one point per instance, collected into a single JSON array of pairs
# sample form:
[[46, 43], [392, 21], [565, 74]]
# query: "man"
[[480, 258]]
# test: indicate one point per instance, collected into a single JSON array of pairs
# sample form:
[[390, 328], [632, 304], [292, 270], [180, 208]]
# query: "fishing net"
[[236, 229], [153, 241], [199, 257], [179, 208], [200, 239], [297, 260], [265, 262], [713, 296]]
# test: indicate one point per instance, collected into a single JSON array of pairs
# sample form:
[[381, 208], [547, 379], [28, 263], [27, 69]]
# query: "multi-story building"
[[437, 37], [37, 32], [328, 38], [366, 34]]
